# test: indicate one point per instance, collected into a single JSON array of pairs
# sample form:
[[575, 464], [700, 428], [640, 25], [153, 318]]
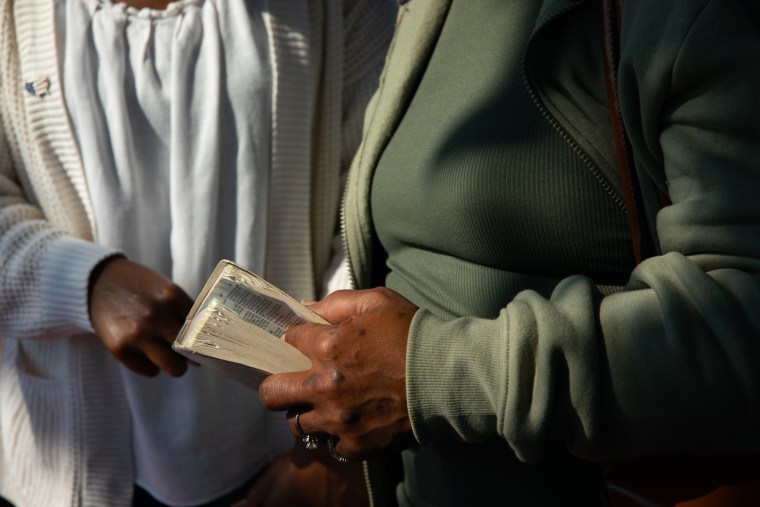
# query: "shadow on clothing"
[[143, 499]]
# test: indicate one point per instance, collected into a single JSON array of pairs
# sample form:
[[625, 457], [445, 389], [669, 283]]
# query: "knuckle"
[[383, 292], [376, 297], [337, 378], [292, 333], [148, 313], [121, 344], [166, 293], [130, 336], [328, 347]]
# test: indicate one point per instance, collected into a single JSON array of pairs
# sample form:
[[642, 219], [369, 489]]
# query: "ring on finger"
[[333, 452], [311, 442]]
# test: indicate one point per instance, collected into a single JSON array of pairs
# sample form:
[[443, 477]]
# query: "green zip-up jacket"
[[667, 365]]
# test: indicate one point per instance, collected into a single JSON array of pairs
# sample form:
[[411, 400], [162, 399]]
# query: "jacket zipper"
[[368, 484], [556, 125], [344, 238]]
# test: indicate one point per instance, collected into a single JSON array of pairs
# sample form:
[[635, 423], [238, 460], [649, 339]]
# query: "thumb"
[[344, 304]]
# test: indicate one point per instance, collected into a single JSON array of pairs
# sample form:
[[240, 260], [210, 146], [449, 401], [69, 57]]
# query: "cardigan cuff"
[[65, 282]]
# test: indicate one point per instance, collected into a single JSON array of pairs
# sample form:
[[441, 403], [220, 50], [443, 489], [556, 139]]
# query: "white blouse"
[[171, 111]]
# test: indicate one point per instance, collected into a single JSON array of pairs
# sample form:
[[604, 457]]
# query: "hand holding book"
[[346, 379], [236, 325], [355, 391]]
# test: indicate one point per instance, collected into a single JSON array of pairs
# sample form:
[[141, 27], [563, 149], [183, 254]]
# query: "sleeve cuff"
[[456, 371], [65, 282]]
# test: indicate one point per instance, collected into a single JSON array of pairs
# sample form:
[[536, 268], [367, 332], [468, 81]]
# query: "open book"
[[236, 323]]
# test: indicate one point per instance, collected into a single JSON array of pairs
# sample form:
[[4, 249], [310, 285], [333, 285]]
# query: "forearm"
[[658, 369]]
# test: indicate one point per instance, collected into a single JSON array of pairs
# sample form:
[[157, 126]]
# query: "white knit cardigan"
[[64, 425]]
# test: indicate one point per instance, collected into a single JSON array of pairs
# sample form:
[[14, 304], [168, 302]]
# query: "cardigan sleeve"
[[669, 364], [44, 270]]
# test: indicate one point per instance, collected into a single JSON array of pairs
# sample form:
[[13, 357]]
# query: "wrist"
[[96, 273]]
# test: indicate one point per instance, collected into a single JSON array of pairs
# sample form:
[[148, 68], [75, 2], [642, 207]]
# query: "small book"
[[236, 325]]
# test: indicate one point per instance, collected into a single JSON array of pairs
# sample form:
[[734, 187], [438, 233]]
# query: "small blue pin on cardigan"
[[38, 88]]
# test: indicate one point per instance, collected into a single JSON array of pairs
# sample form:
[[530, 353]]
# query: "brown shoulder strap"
[[640, 240]]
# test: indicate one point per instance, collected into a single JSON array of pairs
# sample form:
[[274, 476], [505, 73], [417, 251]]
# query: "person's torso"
[[172, 115], [475, 198]]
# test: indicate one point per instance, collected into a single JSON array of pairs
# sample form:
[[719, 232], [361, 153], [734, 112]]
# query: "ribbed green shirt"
[[476, 196]]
